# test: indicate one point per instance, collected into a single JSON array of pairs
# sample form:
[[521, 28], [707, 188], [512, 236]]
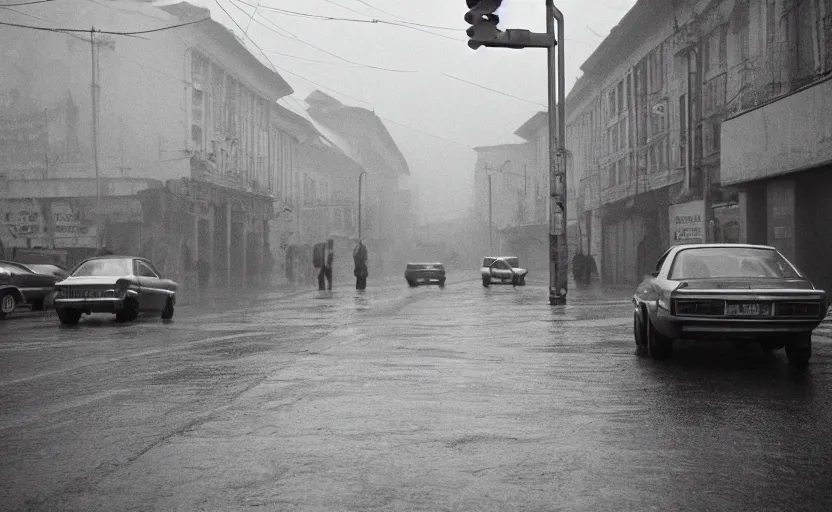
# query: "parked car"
[[49, 269], [123, 285], [416, 273], [19, 285], [502, 270], [727, 292]]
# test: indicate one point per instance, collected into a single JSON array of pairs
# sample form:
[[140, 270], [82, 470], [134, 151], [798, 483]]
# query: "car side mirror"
[[654, 273]]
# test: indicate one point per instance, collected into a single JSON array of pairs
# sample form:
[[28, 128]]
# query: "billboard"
[[687, 223]]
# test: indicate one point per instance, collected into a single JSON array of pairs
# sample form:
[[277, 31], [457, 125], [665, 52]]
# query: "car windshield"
[[731, 262], [514, 262], [105, 267]]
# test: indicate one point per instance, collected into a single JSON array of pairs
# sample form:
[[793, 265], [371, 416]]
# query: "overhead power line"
[[322, 50], [494, 90], [26, 3], [109, 32]]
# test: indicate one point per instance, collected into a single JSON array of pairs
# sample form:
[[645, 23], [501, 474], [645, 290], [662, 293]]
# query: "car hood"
[[745, 284], [90, 281]]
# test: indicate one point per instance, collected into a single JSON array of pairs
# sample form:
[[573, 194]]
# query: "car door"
[[152, 297], [501, 270]]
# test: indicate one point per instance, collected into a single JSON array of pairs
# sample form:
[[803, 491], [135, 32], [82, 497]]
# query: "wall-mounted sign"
[[687, 223]]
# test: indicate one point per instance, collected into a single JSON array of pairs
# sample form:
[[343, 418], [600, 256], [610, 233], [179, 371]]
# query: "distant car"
[[123, 285], [727, 291], [416, 273], [19, 285], [502, 270]]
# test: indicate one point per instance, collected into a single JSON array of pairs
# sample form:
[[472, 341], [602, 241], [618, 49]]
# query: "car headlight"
[[121, 287]]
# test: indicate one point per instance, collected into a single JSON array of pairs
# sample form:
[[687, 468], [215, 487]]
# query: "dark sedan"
[[20, 285], [122, 285], [727, 292], [416, 273]]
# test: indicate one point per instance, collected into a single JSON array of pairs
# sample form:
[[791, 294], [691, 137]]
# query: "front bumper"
[[96, 305], [699, 328]]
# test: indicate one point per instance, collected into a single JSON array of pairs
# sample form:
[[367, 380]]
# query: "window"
[[611, 109], [611, 175], [623, 170], [620, 103], [715, 50], [145, 271], [199, 83], [655, 66]]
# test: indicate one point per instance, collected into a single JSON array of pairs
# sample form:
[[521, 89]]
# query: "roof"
[[327, 108], [499, 147], [328, 137], [215, 30], [719, 246], [527, 130]]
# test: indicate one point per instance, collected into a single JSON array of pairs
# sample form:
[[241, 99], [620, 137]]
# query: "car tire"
[[486, 281], [639, 333], [129, 312], [167, 313], [521, 281], [8, 303], [69, 316], [658, 345], [441, 283], [799, 351], [411, 284]]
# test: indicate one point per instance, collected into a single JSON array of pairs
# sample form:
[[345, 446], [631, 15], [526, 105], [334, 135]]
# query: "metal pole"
[[95, 138], [558, 249], [490, 223], [360, 176]]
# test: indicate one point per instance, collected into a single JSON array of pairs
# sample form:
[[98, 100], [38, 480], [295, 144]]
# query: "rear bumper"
[[99, 305], [730, 328], [425, 276]]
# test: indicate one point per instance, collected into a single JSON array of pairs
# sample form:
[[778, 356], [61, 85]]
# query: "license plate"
[[749, 309], [84, 294]]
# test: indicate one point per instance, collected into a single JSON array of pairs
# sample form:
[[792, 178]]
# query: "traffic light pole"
[[484, 32], [558, 248]]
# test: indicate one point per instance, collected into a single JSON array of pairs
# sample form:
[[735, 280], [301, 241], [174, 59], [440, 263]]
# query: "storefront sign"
[[23, 218], [687, 223], [69, 228]]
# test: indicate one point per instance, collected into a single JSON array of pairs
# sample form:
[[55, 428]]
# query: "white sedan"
[[502, 270]]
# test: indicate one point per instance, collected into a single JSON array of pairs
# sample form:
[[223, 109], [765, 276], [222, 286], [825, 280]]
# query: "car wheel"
[[412, 284], [7, 304], [129, 312], [799, 351], [441, 283], [486, 281], [167, 313], [658, 345], [521, 281], [639, 333], [69, 316]]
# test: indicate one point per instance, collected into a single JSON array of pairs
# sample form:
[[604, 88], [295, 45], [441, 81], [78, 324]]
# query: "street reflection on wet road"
[[460, 398]]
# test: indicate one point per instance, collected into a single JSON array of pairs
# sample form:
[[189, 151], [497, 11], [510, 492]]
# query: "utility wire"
[[408, 25], [494, 90], [296, 38], [379, 10], [109, 32], [26, 3], [388, 21], [423, 132]]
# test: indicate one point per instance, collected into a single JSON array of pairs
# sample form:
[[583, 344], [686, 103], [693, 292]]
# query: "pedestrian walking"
[[359, 256]]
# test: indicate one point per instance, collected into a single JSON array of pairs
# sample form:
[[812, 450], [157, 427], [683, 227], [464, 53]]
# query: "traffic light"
[[483, 20]]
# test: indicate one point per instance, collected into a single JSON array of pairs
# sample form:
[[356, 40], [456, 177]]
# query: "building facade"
[[388, 216], [184, 117], [645, 121]]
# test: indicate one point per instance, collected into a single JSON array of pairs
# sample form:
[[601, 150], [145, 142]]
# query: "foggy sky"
[[422, 98]]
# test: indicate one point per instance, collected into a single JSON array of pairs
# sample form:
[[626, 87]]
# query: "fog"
[[434, 118]]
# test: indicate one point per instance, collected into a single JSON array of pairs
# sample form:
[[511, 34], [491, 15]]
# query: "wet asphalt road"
[[400, 399]]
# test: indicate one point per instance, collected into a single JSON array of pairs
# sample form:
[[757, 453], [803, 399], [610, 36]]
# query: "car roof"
[[711, 246], [423, 263]]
